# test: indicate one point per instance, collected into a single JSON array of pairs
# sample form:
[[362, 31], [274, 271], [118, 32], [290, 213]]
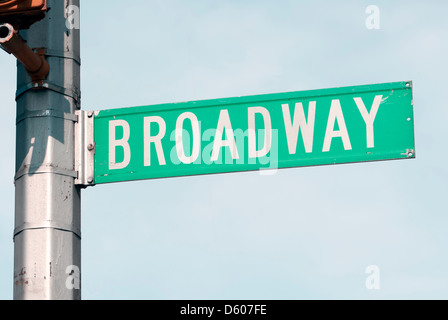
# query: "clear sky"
[[305, 233]]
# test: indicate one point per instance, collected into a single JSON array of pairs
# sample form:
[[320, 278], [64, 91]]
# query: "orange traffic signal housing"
[[22, 13]]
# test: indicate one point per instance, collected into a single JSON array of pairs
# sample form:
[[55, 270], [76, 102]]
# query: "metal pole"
[[47, 238]]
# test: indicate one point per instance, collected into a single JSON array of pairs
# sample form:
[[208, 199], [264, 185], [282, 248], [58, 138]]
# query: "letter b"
[[123, 143]]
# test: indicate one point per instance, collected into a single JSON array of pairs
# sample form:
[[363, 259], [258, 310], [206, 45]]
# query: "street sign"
[[285, 130]]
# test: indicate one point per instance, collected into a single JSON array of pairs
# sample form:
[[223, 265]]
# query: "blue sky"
[[305, 233]]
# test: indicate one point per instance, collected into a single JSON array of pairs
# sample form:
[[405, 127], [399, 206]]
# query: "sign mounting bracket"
[[85, 148]]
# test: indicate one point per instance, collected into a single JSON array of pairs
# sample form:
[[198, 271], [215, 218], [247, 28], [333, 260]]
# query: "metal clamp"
[[63, 54], [44, 168], [73, 93], [47, 113], [48, 225]]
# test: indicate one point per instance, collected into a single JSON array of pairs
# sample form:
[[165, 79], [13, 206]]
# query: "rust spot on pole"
[[20, 279]]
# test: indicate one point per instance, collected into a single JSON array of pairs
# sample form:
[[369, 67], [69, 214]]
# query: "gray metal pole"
[[47, 239]]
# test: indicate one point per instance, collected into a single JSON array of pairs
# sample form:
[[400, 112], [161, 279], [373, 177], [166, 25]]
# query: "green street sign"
[[285, 130]]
